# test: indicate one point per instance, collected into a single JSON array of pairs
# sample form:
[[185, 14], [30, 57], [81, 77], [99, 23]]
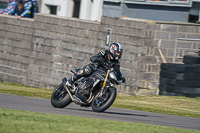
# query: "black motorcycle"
[[100, 94]]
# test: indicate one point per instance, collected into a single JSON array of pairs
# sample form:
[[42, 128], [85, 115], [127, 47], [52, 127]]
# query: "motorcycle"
[[100, 94]]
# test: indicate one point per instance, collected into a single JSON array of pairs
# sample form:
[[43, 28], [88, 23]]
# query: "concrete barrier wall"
[[40, 52], [163, 35], [15, 48]]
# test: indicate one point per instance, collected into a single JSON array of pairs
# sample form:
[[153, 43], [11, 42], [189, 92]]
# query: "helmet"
[[116, 50]]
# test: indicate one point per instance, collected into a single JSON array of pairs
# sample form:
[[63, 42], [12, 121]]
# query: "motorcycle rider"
[[105, 59]]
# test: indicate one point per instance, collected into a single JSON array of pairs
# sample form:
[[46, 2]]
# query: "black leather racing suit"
[[104, 61]]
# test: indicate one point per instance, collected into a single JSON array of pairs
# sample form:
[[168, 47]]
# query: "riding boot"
[[71, 80]]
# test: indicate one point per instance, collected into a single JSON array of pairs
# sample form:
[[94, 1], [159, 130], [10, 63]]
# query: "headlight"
[[112, 76]]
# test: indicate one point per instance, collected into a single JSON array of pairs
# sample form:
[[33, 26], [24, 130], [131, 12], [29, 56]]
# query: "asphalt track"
[[44, 106]]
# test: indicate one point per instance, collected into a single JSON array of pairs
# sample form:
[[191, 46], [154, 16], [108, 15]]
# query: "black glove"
[[123, 79]]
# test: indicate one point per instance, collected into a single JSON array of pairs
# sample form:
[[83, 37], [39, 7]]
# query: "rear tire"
[[100, 104], [60, 97]]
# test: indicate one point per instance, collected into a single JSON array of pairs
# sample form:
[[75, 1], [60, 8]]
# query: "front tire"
[[101, 103], [60, 97]]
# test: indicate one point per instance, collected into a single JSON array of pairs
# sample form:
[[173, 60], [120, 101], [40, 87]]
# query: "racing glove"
[[123, 79]]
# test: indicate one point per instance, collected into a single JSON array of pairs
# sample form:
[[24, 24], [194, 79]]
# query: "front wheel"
[[101, 103], [60, 97]]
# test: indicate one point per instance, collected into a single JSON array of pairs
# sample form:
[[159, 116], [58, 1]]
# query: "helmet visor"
[[117, 53]]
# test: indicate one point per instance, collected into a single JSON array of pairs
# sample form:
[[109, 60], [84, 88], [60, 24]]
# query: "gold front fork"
[[104, 83]]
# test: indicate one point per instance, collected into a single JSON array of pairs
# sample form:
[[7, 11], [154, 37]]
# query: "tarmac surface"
[[44, 106]]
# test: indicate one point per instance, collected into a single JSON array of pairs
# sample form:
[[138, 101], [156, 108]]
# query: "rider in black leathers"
[[105, 59]]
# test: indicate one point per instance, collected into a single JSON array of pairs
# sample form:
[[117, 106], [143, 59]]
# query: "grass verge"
[[173, 105], [180, 106], [16, 121]]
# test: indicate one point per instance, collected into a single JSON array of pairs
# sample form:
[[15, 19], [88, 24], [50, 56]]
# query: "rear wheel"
[[101, 103], [60, 97]]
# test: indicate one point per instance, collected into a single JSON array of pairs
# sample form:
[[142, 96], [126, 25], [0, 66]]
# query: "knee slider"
[[89, 69]]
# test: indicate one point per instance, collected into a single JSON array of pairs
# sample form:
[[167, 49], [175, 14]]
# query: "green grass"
[[16, 89], [180, 106], [173, 105], [16, 121]]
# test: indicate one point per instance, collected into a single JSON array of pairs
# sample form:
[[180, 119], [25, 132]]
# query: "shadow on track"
[[114, 113]]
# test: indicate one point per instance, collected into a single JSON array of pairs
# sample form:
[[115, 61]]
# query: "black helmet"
[[116, 50]]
